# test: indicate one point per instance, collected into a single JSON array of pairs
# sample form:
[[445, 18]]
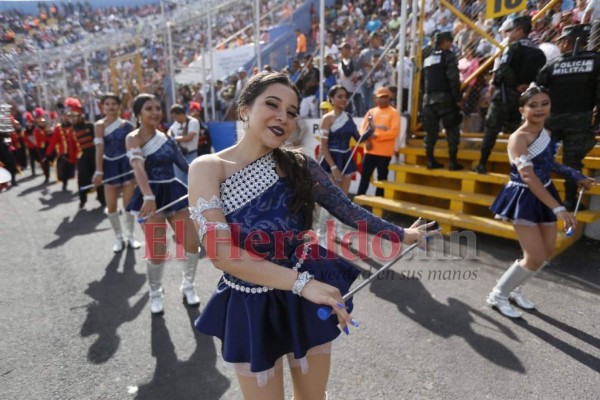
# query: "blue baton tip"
[[324, 313]]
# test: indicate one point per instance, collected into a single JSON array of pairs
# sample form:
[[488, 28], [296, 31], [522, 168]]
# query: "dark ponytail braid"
[[294, 165]]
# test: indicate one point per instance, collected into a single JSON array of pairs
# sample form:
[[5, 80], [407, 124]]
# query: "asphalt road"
[[75, 322]]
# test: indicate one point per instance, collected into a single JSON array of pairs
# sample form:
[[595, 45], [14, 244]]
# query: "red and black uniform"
[[64, 146], [34, 140], [83, 132]]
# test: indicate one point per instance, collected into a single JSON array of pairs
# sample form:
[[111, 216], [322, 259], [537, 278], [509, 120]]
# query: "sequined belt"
[[265, 289], [520, 184]]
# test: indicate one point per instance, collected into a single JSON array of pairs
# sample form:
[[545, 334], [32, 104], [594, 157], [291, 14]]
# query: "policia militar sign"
[[499, 8]]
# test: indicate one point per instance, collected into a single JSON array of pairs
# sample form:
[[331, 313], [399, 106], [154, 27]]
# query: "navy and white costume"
[[115, 153], [515, 201], [338, 143], [159, 155], [258, 325]]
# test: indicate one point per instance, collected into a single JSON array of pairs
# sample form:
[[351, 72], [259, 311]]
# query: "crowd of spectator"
[[356, 33]]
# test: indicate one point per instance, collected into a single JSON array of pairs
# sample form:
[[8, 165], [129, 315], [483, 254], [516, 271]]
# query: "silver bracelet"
[[302, 280], [149, 197], [558, 210]]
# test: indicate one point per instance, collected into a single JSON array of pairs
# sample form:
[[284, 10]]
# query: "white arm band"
[[98, 140], [196, 214], [523, 161], [135, 153]]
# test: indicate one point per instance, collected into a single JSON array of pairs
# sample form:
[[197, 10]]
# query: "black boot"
[[431, 161], [480, 168], [454, 165]]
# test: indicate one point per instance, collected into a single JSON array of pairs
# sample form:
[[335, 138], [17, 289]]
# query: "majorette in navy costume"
[[115, 153], [516, 201], [338, 143], [159, 154], [257, 325]]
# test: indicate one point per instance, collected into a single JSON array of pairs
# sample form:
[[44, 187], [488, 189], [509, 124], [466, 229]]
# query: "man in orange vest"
[[384, 120]]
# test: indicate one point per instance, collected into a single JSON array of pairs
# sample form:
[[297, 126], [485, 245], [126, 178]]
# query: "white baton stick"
[[163, 208], [86, 187], [325, 311], [570, 231]]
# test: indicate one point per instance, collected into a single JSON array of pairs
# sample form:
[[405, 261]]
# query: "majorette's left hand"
[[587, 183], [417, 233]]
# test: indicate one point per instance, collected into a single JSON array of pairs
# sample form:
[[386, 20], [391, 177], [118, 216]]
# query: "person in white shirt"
[[185, 131]]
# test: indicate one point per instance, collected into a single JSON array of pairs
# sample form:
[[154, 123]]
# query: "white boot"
[[522, 301], [115, 222], [514, 277], [155, 276], [190, 298], [129, 227], [517, 295]]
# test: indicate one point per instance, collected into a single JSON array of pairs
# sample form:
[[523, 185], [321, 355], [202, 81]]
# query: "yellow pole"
[[484, 67], [469, 23], [418, 62]]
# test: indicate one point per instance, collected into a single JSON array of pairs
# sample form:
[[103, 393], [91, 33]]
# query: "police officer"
[[574, 83], [441, 100], [518, 67]]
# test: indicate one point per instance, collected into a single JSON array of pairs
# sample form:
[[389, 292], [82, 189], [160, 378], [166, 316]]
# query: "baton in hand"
[[362, 137], [326, 311], [570, 231], [163, 208], [86, 187]]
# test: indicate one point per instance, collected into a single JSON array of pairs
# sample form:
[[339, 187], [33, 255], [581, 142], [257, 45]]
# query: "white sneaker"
[[522, 301], [132, 243], [502, 304], [119, 244], [190, 298], [156, 302]]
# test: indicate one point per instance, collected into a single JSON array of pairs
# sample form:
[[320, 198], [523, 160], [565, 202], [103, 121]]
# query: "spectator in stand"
[[365, 59], [579, 11], [429, 25], [348, 77], [466, 67], [381, 75], [241, 81], [185, 131], [331, 48], [374, 24], [309, 86], [394, 23], [301, 44]]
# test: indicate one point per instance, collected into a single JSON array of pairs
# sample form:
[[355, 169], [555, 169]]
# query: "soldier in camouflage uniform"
[[441, 100], [574, 83], [518, 67]]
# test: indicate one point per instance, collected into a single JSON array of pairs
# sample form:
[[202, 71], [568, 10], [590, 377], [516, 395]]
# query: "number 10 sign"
[[499, 8]]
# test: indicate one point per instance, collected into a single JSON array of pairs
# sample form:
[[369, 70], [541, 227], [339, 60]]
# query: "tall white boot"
[[515, 276], [129, 227], [115, 222], [155, 277], [519, 298], [190, 298]]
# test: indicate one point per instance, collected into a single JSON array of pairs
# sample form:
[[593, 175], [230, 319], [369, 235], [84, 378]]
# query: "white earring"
[[245, 124]]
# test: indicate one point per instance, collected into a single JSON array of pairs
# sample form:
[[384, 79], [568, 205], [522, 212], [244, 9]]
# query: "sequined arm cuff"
[[196, 214], [523, 161], [135, 153]]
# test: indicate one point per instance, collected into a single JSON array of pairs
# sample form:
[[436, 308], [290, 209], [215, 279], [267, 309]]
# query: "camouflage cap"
[[575, 31]]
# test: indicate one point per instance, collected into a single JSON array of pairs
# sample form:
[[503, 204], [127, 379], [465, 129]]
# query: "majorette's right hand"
[[148, 208], [325, 294], [97, 180], [568, 219]]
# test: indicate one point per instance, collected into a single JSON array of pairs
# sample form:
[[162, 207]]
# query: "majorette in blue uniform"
[[159, 154], [338, 143], [257, 325], [516, 201]]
